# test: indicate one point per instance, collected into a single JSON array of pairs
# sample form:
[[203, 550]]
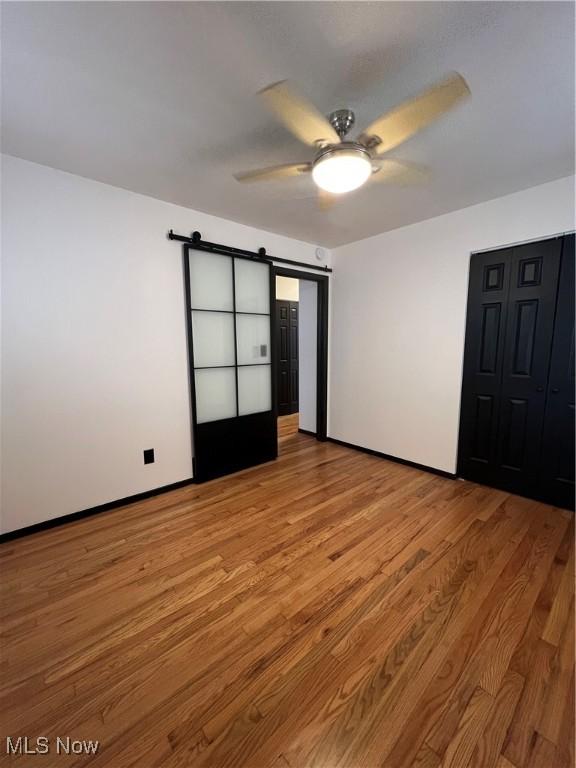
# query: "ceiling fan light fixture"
[[340, 170]]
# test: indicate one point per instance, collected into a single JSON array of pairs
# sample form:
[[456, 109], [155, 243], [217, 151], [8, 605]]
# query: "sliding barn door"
[[229, 308]]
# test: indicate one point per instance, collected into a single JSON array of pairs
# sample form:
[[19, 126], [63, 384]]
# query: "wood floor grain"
[[288, 425], [328, 609]]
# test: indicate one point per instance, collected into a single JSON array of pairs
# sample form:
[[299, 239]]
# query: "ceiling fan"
[[341, 165]]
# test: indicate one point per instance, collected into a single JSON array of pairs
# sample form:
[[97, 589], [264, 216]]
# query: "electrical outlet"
[[149, 456]]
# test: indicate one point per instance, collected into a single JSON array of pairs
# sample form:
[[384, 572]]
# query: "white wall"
[[307, 361], [398, 320], [93, 340], [287, 288], [94, 365]]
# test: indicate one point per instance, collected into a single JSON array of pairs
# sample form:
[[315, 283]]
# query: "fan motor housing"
[[342, 121]]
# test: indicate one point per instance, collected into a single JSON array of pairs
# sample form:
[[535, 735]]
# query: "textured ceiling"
[[159, 98]]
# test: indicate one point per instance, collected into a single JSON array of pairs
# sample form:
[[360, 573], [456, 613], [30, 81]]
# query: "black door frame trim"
[[321, 341]]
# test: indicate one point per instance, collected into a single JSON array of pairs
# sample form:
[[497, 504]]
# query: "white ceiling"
[[159, 98]]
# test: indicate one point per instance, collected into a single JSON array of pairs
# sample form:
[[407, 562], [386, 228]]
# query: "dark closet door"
[[529, 328], [287, 345], [510, 321], [483, 361], [557, 473]]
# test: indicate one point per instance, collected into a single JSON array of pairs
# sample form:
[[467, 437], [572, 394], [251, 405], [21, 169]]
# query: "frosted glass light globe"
[[342, 170]]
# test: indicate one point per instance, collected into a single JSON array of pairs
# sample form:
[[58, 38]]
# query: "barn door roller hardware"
[[195, 240]]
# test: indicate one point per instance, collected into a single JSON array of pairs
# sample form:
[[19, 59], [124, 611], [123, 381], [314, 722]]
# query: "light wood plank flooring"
[[287, 425], [329, 609]]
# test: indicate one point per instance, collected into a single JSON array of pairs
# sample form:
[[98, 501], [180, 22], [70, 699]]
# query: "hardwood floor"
[[329, 609], [287, 426]]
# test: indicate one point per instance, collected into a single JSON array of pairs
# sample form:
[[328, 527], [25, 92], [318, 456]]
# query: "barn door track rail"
[[195, 241]]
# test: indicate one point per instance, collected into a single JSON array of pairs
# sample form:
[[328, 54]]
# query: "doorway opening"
[[300, 338]]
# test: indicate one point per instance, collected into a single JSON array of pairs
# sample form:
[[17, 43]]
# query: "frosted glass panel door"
[[252, 281], [228, 304], [215, 394], [211, 281], [213, 339], [254, 389], [253, 339]]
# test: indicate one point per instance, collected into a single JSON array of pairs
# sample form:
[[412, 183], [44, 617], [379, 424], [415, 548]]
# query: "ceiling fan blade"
[[402, 122], [398, 172], [298, 115], [274, 172]]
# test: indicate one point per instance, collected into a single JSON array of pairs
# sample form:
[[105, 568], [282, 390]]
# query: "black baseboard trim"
[[423, 467], [73, 516], [306, 432]]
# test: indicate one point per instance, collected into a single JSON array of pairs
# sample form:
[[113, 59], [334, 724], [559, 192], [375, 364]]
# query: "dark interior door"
[[483, 361], [527, 347], [510, 324], [557, 474], [287, 357], [293, 315]]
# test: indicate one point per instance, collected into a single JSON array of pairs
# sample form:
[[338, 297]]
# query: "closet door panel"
[[517, 410], [531, 309], [483, 361], [557, 462]]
